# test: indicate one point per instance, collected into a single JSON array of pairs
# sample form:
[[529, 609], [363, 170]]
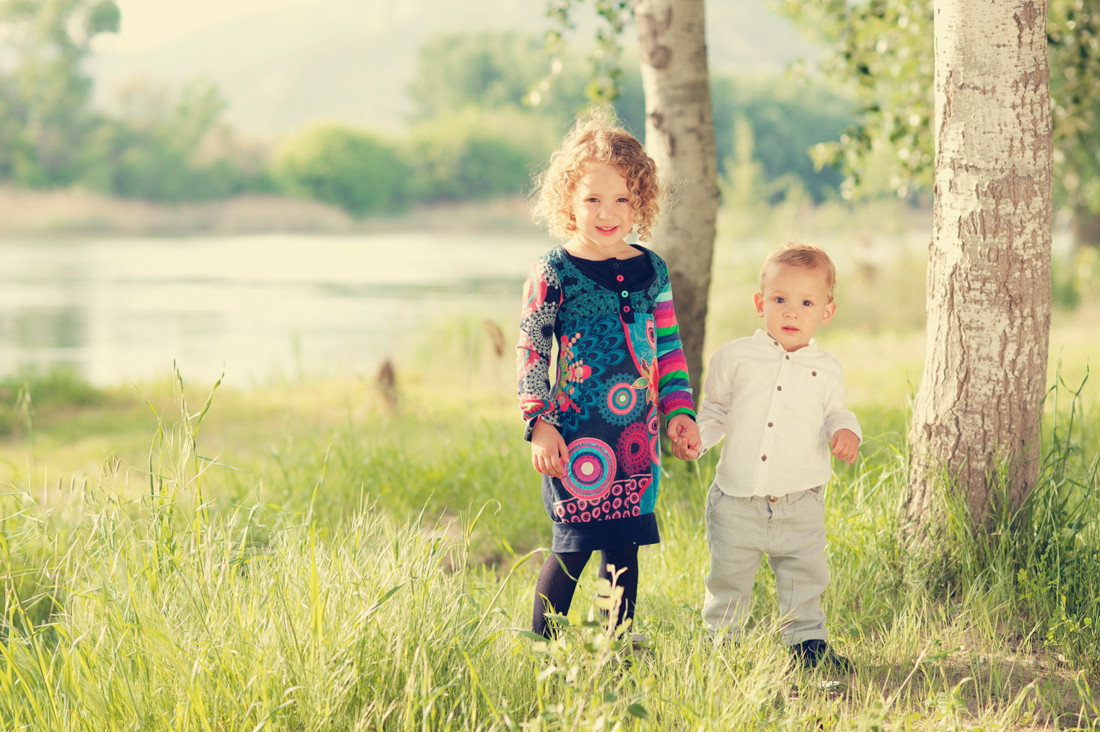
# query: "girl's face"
[[601, 207]]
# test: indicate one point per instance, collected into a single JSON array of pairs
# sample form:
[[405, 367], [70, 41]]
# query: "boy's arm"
[[717, 399], [845, 445], [841, 424]]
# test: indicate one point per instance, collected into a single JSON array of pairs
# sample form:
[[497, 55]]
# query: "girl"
[[607, 305]]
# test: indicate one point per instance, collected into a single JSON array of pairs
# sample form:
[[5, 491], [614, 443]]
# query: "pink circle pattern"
[[621, 501], [591, 469]]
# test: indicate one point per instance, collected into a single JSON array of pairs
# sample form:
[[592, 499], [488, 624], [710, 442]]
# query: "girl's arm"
[[534, 350], [674, 385]]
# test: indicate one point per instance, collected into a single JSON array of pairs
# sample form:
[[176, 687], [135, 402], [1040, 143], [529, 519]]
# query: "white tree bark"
[[680, 138], [978, 408]]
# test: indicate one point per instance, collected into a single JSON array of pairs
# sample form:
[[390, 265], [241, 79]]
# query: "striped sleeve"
[[674, 386]]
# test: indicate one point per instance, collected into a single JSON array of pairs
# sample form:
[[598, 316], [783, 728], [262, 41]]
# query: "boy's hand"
[[845, 446], [684, 434], [548, 452]]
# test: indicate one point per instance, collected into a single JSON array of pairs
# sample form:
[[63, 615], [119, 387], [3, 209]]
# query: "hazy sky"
[[150, 23]]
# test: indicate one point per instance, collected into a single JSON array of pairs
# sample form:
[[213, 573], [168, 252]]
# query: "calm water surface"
[[255, 307]]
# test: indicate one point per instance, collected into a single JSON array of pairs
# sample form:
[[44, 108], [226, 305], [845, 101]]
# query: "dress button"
[[779, 388], [773, 499], [619, 278], [771, 424], [626, 308], [763, 458], [788, 357], [625, 293]]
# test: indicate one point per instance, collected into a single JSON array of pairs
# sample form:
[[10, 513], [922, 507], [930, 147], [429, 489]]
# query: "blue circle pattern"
[[601, 344]]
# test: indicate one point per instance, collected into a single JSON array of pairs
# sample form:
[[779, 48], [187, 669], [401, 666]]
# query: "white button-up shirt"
[[777, 412]]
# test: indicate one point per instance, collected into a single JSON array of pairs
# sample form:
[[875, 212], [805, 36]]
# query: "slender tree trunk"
[[680, 137], [977, 410]]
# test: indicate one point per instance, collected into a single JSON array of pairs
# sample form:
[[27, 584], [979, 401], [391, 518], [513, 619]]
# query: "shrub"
[[476, 155], [352, 169]]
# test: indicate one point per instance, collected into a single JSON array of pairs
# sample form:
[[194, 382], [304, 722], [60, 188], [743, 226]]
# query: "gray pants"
[[791, 531]]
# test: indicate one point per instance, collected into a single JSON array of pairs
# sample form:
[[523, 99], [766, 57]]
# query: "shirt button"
[[625, 293], [620, 278], [773, 499], [626, 308], [771, 424], [788, 357], [779, 388], [813, 373], [763, 458]]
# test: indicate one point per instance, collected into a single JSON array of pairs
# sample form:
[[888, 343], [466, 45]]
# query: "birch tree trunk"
[[977, 410], [680, 138]]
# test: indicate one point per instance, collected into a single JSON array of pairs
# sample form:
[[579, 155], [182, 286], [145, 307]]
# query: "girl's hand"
[[548, 452], [845, 446], [684, 434]]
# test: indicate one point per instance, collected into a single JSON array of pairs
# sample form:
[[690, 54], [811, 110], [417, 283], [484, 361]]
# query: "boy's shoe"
[[816, 652]]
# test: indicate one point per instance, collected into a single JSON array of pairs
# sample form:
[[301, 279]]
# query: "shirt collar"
[[761, 336]]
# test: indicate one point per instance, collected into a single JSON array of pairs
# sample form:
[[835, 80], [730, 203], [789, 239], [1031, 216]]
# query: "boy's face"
[[793, 304], [601, 206]]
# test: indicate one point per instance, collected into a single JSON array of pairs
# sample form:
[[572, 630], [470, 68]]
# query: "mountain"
[[290, 64]]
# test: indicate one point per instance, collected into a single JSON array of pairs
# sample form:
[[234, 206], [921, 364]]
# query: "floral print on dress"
[[607, 395]]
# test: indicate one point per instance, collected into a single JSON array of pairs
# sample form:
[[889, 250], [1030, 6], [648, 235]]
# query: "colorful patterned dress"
[[620, 361]]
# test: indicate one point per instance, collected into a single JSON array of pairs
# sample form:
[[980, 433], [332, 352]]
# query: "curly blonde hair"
[[806, 256], [596, 139]]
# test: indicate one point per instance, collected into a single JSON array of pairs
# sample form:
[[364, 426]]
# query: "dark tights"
[[558, 581]]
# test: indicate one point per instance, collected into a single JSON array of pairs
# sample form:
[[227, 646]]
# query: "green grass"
[[340, 566], [305, 556]]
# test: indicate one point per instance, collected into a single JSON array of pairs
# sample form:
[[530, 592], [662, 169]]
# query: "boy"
[[778, 401]]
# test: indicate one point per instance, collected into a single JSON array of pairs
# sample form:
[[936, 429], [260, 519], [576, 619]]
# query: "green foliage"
[[170, 147], [1073, 34], [147, 599], [498, 70], [45, 114], [781, 120], [355, 170], [884, 50], [473, 155], [491, 69], [604, 64], [24, 395]]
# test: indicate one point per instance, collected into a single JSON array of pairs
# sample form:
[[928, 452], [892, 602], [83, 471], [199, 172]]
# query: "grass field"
[[307, 556]]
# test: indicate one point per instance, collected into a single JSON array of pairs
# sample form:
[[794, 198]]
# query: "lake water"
[[255, 307]]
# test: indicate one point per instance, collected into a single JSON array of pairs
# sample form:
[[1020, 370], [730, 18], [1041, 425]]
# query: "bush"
[[352, 169], [477, 155]]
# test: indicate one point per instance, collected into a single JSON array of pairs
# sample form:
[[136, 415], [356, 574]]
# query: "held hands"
[[548, 452], [845, 446], [684, 434]]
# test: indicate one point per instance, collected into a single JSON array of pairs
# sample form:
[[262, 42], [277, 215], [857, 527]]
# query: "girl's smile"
[[603, 213]]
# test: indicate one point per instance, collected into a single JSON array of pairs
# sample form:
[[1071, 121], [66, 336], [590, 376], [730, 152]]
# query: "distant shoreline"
[[74, 212]]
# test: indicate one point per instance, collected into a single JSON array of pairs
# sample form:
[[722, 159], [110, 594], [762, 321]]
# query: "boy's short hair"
[[596, 138], [806, 256]]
